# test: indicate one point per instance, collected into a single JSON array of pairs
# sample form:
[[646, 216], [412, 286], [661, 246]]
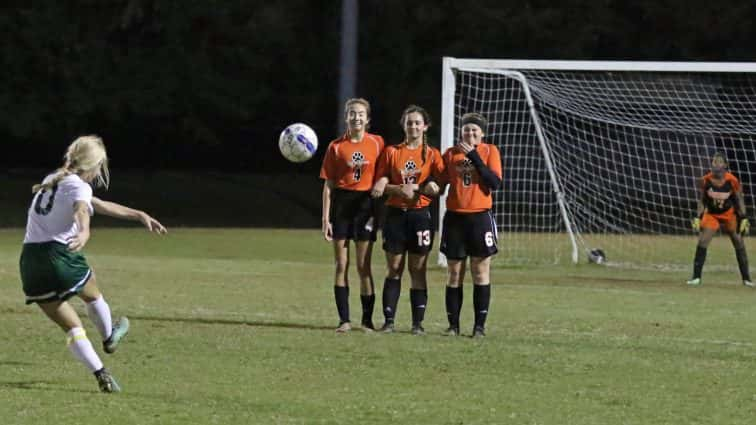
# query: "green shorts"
[[50, 272]]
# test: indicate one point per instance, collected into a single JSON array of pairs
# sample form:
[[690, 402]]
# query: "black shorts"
[[352, 215], [469, 234], [408, 230]]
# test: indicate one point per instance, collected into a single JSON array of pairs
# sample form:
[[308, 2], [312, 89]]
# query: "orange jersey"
[[351, 165], [719, 195], [466, 194], [405, 165]]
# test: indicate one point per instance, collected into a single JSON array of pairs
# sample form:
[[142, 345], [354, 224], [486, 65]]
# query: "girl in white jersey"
[[52, 267]]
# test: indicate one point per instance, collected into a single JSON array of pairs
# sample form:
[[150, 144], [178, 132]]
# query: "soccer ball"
[[298, 142], [597, 256]]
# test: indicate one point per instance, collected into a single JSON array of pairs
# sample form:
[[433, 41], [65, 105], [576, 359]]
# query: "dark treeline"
[[209, 84]]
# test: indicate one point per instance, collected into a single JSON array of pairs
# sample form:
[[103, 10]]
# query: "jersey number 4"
[[38, 202]]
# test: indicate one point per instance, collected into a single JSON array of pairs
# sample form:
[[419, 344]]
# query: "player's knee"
[[455, 278], [394, 272], [737, 241], [417, 276], [341, 267], [364, 269], [704, 241], [480, 274]]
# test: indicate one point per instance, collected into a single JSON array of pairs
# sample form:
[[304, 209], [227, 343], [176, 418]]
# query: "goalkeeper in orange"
[[721, 206]]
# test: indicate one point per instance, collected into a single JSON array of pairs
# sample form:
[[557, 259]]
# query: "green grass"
[[235, 326]]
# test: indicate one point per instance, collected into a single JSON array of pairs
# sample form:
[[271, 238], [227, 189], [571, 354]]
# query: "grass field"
[[235, 326]]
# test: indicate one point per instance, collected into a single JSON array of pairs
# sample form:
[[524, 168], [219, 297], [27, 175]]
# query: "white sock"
[[99, 312], [82, 349]]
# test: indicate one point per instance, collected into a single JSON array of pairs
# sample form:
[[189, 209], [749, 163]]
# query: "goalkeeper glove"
[[696, 224], [744, 226]]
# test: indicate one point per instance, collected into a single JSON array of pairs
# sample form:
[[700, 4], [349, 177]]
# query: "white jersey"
[[50, 216]]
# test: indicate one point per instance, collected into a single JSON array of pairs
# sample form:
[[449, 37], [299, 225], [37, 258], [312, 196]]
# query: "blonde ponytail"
[[84, 155], [60, 174]]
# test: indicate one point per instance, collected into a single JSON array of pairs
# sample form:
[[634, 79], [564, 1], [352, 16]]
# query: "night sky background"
[[204, 86]]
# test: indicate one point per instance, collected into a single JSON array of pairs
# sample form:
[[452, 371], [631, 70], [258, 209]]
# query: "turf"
[[233, 326]]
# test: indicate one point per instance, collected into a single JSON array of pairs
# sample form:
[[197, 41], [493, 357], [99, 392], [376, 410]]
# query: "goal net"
[[606, 155]]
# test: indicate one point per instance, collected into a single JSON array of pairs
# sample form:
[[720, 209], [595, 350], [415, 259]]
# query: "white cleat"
[[695, 282], [749, 284]]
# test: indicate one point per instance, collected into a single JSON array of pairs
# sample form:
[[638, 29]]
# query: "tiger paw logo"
[[465, 169], [357, 162], [410, 172]]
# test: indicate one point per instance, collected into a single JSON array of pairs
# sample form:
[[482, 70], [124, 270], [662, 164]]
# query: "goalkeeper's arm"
[[744, 226], [740, 208], [695, 223]]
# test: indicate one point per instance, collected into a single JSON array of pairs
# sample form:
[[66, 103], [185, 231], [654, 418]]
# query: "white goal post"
[[605, 154]]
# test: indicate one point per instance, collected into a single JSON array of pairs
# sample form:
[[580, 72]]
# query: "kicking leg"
[[65, 316], [98, 311]]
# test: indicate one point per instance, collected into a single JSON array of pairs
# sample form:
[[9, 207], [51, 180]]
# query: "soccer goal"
[[605, 155]]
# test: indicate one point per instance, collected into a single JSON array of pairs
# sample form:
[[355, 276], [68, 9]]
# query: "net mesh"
[[627, 148]]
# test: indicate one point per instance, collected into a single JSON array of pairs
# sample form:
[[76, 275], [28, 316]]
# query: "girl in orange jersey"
[[348, 170], [473, 171], [721, 206], [406, 173]]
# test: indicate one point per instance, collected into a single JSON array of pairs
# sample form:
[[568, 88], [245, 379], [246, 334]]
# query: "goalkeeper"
[[721, 205]]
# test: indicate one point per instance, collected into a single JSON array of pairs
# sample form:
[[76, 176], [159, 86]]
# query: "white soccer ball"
[[298, 142]]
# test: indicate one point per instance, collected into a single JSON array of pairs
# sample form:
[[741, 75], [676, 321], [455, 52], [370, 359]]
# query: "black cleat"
[[387, 328], [451, 331], [106, 381], [418, 330], [478, 332]]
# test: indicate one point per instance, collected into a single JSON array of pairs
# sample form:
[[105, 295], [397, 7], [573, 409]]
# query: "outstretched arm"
[[112, 209]]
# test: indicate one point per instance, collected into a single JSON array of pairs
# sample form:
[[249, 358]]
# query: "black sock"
[[481, 300], [418, 300], [742, 256], [461, 298], [368, 303], [453, 305], [391, 290], [341, 294], [698, 262]]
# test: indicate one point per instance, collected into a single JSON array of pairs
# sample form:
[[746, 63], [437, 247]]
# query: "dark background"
[[191, 95]]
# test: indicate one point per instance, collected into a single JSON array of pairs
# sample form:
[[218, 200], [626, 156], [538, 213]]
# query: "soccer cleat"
[[695, 282], [451, 331], [748, 283], [387, 328], [344, 328], [478, 332], [120, 330], [106, 381], [418, 330], [368, 326]]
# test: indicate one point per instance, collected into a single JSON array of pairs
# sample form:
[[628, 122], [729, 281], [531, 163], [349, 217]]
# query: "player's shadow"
[[14, 363], [44, 386], [206, 321], [24, 385]]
